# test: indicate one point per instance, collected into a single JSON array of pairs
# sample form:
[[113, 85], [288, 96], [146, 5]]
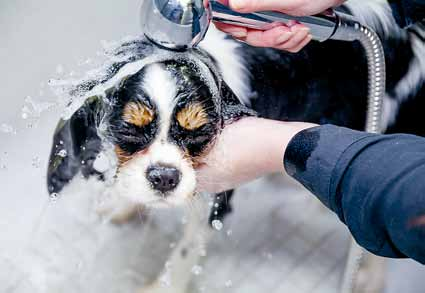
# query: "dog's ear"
[[76, 145], [232, 108]]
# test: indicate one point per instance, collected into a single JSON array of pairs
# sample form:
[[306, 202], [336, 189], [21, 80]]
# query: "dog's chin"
[[131, 195], [120, 206], [169, 201]]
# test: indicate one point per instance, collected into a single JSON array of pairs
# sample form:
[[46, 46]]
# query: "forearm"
[[375, 183]]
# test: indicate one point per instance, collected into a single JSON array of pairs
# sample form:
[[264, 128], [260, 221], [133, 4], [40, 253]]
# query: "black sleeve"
[[374, 183], [407, 12]]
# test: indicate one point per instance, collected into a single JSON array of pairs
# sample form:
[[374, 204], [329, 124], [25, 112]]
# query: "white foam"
[[63, 87]]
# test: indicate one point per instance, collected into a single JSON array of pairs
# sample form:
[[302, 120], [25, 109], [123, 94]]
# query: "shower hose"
[[352, 30]]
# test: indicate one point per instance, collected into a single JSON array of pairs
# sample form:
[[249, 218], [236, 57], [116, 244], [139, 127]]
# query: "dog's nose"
[[163, 178]]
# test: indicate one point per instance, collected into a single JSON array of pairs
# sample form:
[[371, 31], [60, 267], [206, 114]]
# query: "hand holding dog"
[[245, 150], [291, 38]]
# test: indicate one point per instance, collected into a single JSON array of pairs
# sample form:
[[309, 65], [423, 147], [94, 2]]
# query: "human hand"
[[291, 37], [245, 150]]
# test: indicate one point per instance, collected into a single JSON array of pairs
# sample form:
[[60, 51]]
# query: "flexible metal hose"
[[376, 64], [350, 29]]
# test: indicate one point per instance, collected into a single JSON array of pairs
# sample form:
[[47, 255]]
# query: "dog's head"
[[160, 121]]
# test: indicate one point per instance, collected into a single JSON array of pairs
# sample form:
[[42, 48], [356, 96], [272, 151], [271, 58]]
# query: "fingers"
[[235, 31], [300, 45], [300, 38], [291, 39], [269, 38]]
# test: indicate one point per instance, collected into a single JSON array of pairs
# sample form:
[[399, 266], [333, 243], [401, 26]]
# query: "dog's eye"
[[192, 117], [137, 114], [131, 142]]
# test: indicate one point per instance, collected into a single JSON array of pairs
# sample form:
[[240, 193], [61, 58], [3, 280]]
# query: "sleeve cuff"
[[313, 154]]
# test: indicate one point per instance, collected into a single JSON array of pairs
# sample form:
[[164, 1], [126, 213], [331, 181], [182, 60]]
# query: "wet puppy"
[[155, 120]]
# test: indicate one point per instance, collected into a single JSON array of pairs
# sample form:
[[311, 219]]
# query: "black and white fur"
[[324, 83]]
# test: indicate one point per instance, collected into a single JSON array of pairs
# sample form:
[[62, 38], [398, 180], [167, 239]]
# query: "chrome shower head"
[[175, 24]]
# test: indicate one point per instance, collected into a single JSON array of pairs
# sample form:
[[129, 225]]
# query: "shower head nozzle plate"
[[175, 24]]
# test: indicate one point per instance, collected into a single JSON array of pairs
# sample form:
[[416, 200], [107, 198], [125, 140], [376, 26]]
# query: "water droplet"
[[229, 232], [62, 153], [36, 162], [54, 196], [85, 62], [33, 108], [165, 279], [217, 224], [79, 265], [228, 284], [102, 163], [203, 252], [267, 255], [197, 270], [6, 128], [216, 205]]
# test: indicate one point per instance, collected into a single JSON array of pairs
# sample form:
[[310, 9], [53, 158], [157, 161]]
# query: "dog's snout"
[[163, 178]]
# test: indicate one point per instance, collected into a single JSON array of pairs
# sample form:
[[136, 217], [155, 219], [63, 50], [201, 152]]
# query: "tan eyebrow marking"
[[123, 157], [192, 116], [137, 114]]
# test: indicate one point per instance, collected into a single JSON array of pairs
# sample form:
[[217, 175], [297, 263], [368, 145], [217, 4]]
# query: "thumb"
[[262, 5]]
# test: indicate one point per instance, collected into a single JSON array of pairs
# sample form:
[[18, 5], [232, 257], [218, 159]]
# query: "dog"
[[157, 113]]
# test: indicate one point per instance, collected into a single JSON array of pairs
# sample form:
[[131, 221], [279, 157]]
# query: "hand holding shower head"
[[182, 24]]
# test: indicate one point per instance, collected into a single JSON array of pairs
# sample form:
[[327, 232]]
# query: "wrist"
[[261, 145], [245, 150], [272, 142]]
